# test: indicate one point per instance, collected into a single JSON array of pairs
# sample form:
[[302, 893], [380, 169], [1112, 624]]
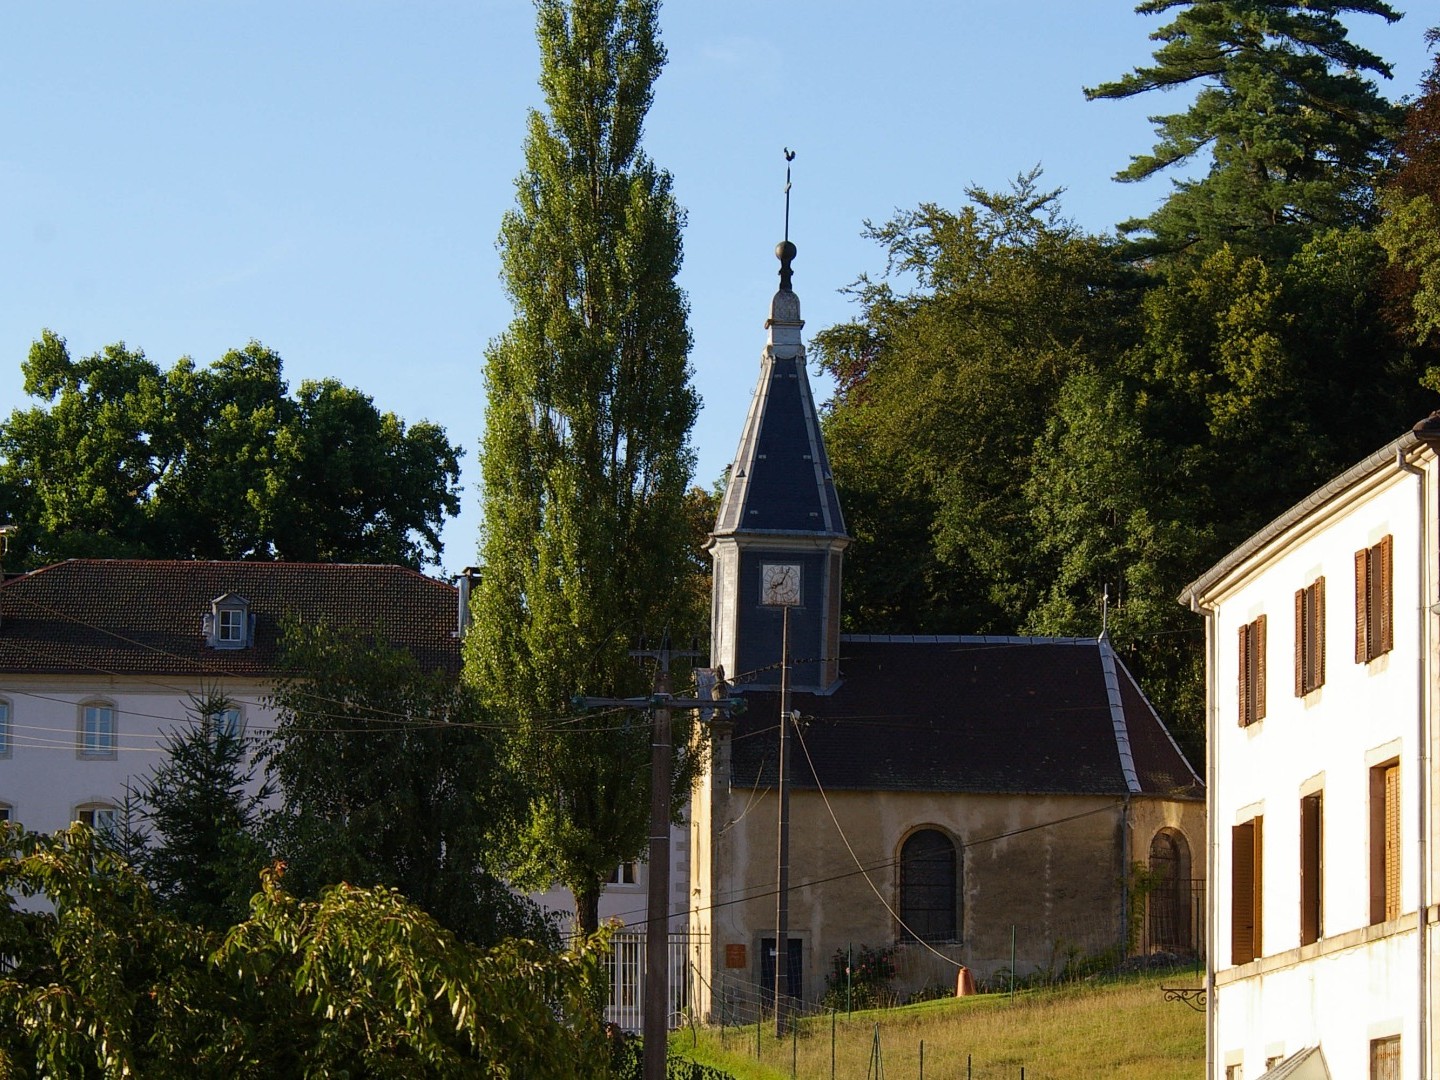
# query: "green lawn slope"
[[1122, 1030]]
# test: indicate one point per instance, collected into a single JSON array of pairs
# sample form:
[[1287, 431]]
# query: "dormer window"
[[232, 626], [229, 624]]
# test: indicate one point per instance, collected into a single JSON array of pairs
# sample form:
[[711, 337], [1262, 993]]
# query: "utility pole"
[[657, 911], [782, 870], [657, 906]]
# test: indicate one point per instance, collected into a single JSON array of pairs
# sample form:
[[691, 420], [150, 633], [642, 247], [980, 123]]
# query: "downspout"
[[1422, 710], [1211, 944], [1125, 877]]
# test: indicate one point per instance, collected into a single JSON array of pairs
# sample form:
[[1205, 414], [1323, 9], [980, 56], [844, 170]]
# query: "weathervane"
[[786, 250]]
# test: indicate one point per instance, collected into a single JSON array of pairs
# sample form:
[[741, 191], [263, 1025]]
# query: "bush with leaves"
[[863, 979], [358, 982]]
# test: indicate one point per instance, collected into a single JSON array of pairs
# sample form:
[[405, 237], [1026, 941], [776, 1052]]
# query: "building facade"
[[1321, 679]]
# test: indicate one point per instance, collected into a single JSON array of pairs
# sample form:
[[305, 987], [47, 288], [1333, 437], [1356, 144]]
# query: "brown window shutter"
[[1310, 869], [1242, 893], [1318, 645], [1245, 711], [1362, 605], [1257, 877], [1300, 643], [1392, 842], [1384, 596], [1258, 647]]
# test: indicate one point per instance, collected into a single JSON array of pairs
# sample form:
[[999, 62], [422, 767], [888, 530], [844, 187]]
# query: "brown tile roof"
[[968, 714], [143, 617]]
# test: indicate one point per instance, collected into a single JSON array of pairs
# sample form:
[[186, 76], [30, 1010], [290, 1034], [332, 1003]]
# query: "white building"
[[100, 659], [1321, 722]]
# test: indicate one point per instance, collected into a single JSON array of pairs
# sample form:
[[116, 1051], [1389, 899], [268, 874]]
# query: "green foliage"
[[861, 980], [627, 1062], [202, 853], [1034, 423], [1295, 131], [397, 777], [358, 982], [943, 391], [123, 458], [1410, 232], [586, 458]]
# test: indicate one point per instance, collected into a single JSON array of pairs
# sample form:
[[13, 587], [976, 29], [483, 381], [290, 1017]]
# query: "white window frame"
[[230, 626], [100, 750], [625, 873]]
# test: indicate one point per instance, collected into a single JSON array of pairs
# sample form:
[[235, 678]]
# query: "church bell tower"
[[779, 538]]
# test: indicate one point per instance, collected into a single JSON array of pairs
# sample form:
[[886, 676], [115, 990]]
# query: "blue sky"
[[328, 178]]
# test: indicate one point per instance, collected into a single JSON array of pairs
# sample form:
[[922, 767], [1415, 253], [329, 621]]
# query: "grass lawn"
[[1120, 1030]]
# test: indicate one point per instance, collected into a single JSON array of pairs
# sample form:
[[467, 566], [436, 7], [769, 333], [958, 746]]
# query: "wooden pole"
[[782, 884], [657, 920]]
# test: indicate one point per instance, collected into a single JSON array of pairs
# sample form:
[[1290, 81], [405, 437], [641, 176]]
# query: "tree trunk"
[[587, 908]]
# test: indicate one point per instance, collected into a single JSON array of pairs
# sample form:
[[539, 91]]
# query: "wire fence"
[[1165, 933]]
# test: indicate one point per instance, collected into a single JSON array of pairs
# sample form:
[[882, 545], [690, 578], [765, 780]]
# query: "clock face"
[[780, 584]]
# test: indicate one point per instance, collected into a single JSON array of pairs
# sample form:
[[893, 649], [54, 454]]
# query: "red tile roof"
[[143, 617]]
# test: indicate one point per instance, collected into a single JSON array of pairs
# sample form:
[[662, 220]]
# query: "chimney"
[[468, 579]]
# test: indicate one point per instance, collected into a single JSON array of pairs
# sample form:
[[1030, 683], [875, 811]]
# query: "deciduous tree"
[[1410, 232], [943, 390], [358, 982], [586, 453], [123, 458], [393, 776]]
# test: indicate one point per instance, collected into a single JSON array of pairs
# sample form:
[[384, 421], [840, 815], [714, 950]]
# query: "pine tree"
[[586, 453], [1296, 132], [202, 856]]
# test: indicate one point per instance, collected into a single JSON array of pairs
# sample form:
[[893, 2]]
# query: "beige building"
[[962, 800]]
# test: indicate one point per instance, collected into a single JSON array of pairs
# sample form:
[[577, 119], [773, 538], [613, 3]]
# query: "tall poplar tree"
[[586, 455]]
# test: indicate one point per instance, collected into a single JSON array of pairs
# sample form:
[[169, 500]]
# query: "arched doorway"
[[1169, 925]]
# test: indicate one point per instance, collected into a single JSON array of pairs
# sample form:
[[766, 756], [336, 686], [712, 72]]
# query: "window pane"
[[229, 723], [4, 728], [928, 887], [99, 737]]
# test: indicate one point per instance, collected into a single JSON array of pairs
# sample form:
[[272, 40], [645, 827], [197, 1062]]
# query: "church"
[[997, 804]]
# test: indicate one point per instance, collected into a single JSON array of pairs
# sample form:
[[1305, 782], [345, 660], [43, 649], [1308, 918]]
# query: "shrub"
[[870, 982]]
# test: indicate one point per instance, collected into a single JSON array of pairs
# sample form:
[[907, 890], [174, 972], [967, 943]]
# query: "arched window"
[[102, 817], [1170, 903], [929, 887]]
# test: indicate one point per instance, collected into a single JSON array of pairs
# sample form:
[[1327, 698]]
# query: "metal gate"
[[625, 967]]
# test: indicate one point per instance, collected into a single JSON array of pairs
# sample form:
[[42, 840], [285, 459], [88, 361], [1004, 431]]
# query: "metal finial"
[[789, 157], [785, 250]]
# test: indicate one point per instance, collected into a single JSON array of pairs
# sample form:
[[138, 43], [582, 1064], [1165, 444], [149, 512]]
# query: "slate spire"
[[779, 510]]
